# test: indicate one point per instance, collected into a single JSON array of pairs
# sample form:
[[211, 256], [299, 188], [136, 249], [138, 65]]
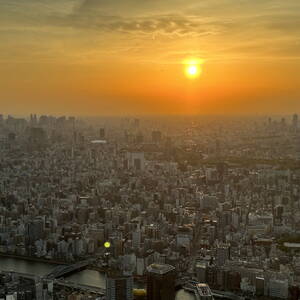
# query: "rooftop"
[[160, 269], [99, 142], [291, 245], [203, 289]]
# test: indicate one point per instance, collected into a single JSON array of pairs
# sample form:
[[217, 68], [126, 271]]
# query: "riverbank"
[[104, 270], [36, 266], [33, 259]]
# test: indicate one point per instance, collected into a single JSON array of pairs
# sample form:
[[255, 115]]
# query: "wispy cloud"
[[209, 27], [168, 24]]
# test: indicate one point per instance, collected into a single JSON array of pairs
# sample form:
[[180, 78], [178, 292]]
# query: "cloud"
[[130, 7], [180, 25], [285, 22], [210, 28]]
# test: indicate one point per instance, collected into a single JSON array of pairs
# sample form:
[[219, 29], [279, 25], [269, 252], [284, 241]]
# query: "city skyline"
[[149, 208]]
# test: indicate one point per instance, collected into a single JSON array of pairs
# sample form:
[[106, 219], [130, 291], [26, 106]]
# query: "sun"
[[192, 68]]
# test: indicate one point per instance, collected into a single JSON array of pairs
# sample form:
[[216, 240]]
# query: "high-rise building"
[[33, 120], [160, 282], [297, 147], [136, 239], [201, 271], [102, 133], [34, 230], [135, 161], [295, 121], [119, 286], [260, 286], [37, 138], [136, 123], [278, 288], [223, 254]]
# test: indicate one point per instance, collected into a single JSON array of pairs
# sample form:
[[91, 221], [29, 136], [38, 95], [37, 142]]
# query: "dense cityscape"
[[158, 208]]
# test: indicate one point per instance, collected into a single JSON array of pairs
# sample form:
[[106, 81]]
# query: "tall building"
[[295, 122], [223, 254], [278, 288], [136, 239], [201, 271], [135, 161], [161, 282], [102, 133], [34, 230], [297, 147], [119, 286], [260, 286], [37, 138], [136, 123]]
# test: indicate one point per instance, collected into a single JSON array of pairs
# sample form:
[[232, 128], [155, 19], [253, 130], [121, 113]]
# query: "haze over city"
[[149, 150]]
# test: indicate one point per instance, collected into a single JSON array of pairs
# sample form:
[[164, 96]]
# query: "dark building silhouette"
[[223, 254], [295, 122], [161, 282], [119, 286], [37, 138], [102, 133]]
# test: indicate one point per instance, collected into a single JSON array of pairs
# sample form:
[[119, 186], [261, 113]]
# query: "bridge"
[[24, 275], [62, 271], [82, 287], [62, 282]]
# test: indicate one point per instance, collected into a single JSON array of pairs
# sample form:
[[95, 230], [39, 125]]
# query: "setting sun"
[[192, 70]]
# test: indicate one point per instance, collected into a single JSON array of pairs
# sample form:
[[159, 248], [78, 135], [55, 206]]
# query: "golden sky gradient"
[[93, 57]]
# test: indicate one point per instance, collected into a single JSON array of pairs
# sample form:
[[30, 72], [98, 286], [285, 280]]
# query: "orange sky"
[[98, 57]]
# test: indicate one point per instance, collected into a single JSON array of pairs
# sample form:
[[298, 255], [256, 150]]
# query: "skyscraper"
[[295, 122], [135, 161], [136, 239], [102, 133], [223, 254], [119, 286], [160, 282]]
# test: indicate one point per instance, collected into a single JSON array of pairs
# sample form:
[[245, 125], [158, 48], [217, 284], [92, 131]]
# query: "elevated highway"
[[62, 271]]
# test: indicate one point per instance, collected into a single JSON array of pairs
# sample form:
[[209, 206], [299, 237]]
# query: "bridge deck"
[[62, 271]]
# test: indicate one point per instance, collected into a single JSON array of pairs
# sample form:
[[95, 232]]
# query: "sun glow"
[[192, 68]]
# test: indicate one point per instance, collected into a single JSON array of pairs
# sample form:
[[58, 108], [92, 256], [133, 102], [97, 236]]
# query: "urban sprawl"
[[203, 207]]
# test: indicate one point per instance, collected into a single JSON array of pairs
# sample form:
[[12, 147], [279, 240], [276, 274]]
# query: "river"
[[89, 277]]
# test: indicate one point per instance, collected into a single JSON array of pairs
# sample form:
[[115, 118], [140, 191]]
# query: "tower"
[[160, 282], [295, 122], [223, 254], [119, 286], [102, 133]]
